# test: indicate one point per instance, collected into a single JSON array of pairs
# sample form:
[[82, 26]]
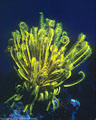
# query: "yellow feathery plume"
[[44, 61]]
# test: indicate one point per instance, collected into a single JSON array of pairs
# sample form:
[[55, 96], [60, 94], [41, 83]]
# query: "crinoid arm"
[[43, 61]]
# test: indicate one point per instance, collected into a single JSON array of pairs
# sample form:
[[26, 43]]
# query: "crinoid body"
[[43, 61]]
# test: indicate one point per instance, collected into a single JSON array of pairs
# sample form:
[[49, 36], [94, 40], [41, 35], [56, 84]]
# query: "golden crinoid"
[[43, 61]]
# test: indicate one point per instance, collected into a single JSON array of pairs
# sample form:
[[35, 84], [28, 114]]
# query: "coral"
[[44, 61]]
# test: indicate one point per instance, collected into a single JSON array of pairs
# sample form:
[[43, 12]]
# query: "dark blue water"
[[76, 16]]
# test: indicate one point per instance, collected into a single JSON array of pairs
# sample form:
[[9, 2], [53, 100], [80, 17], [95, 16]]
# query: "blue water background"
[[76, 16]]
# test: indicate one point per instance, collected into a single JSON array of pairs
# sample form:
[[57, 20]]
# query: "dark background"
[[76, 16]]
